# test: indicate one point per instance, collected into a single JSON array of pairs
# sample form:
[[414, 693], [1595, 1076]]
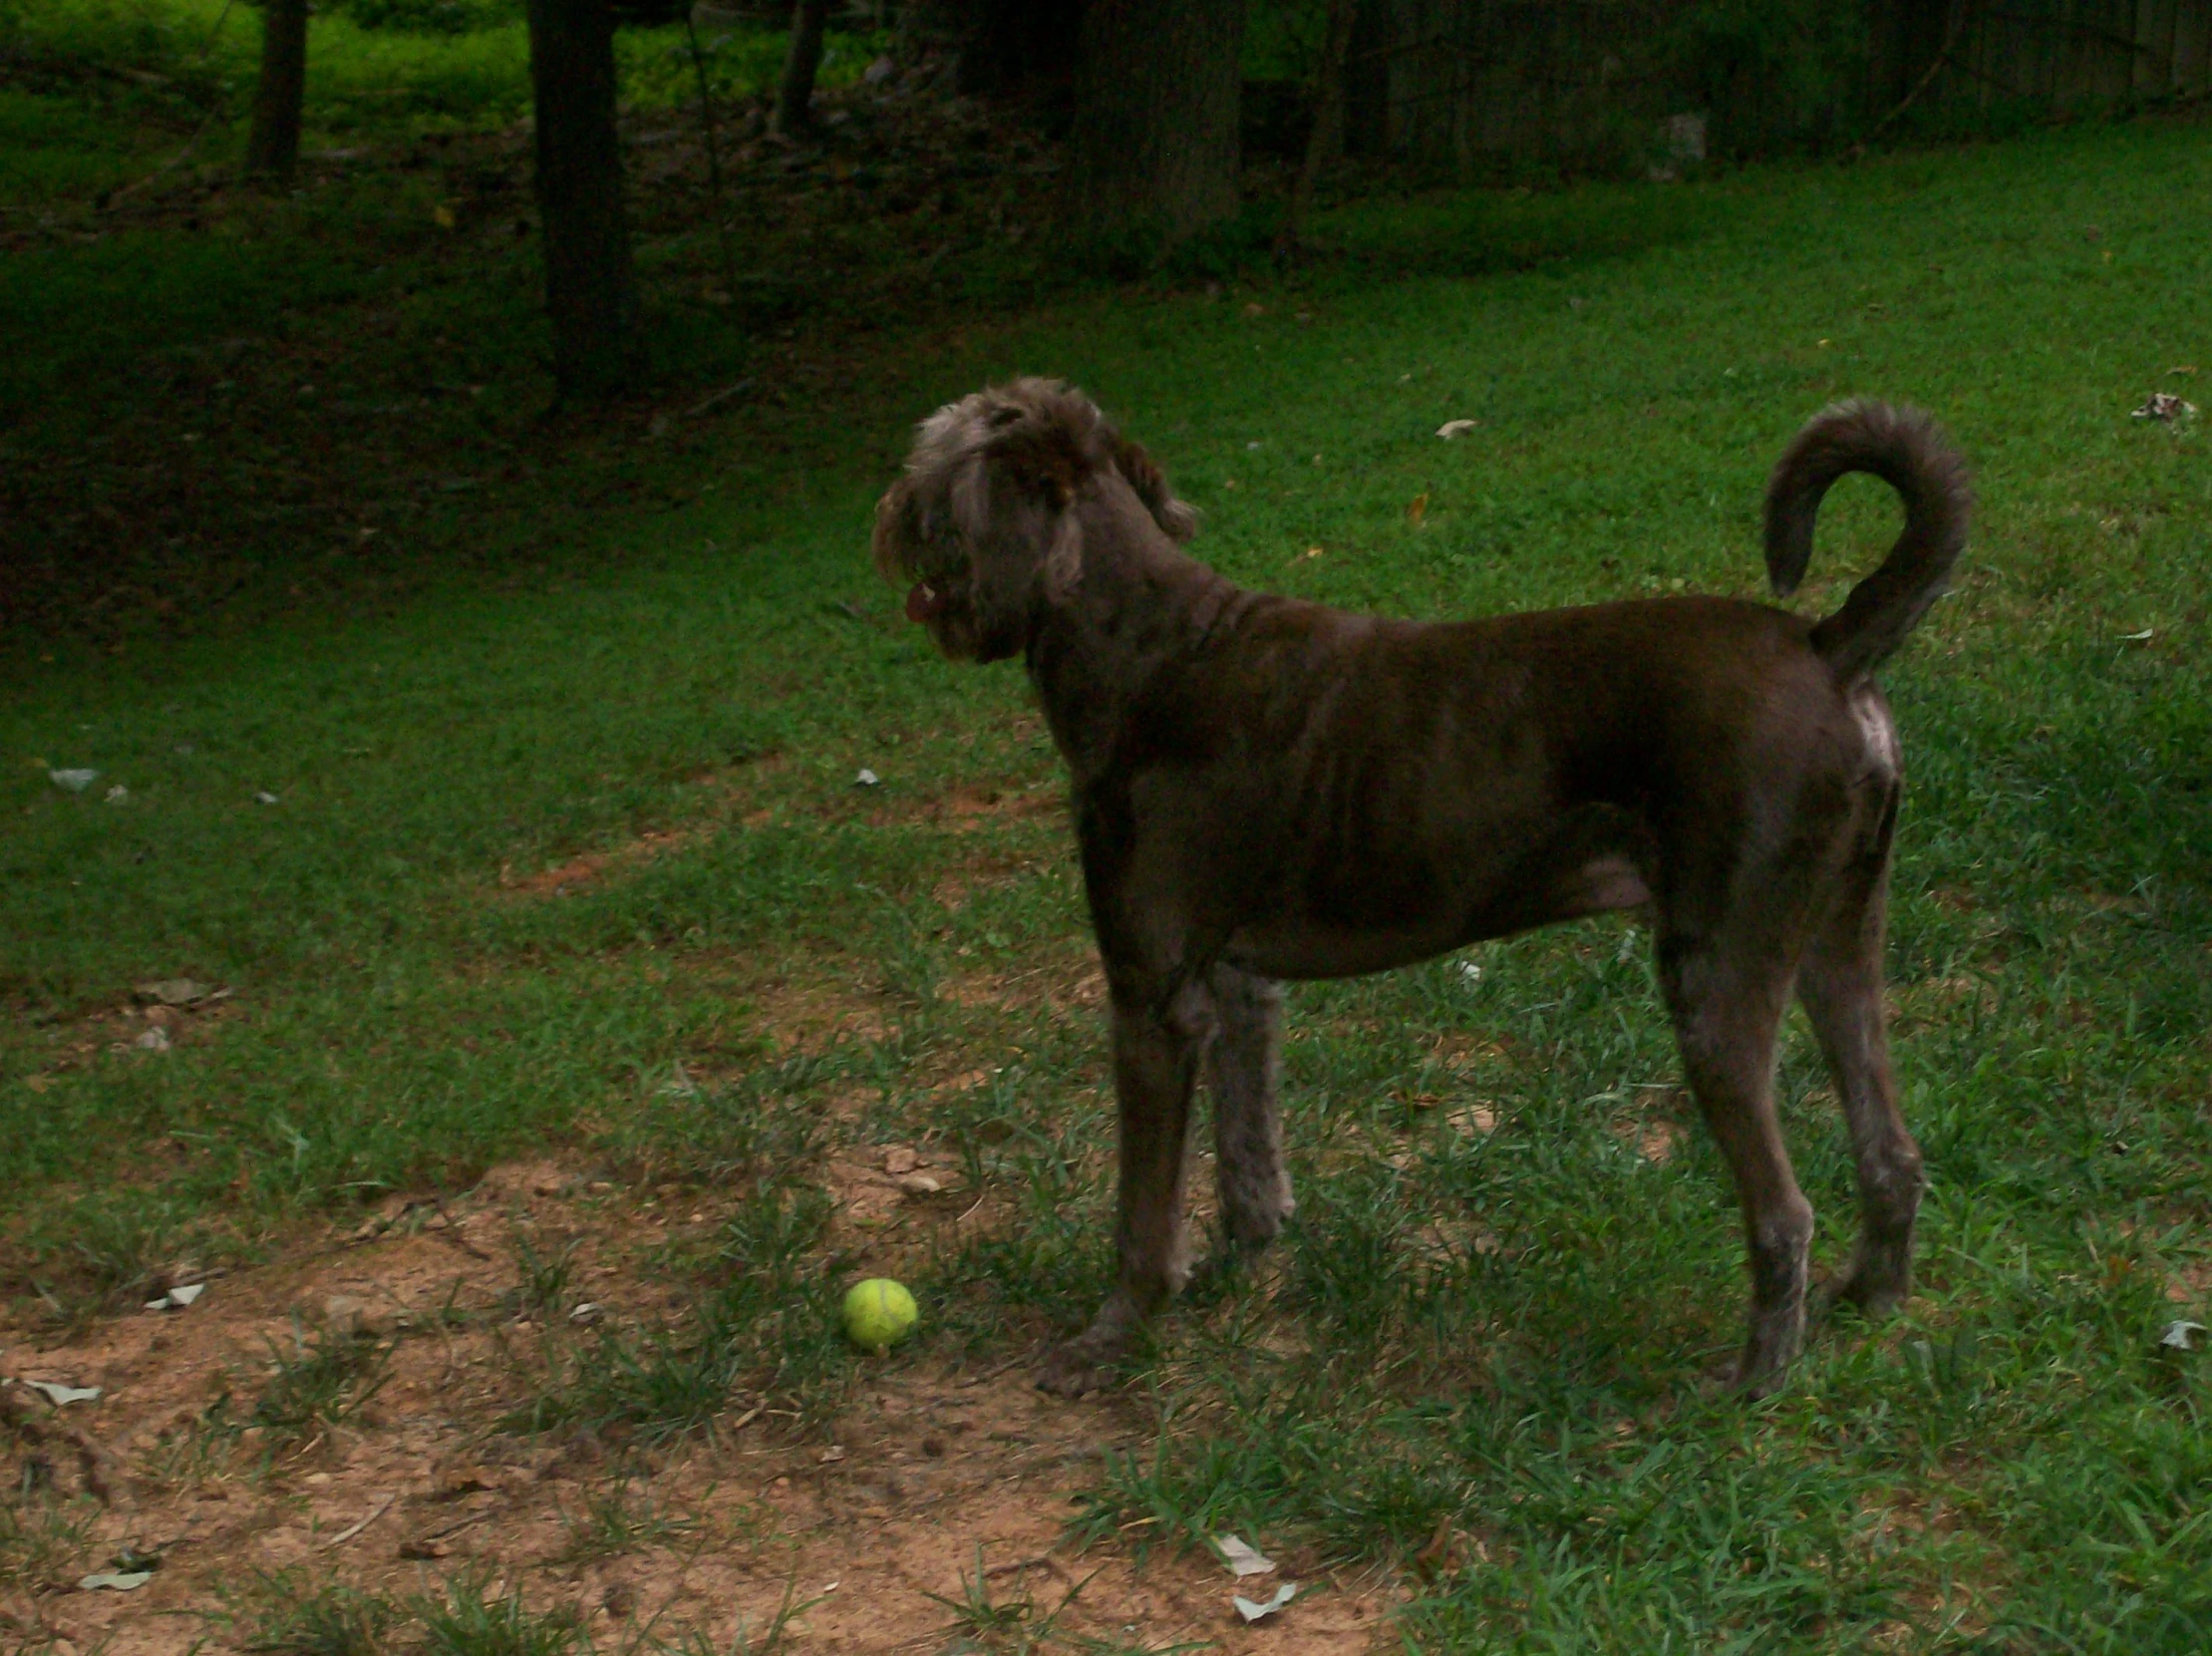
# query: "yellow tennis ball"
[[880, 1313]]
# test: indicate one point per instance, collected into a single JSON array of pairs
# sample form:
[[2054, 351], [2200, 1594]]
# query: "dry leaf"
[[58, 1395], [1417, 509], [1252, 1612], [1242, 1558], [1475, 1120]]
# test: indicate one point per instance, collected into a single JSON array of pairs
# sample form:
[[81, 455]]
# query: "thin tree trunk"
[[795, 93], [1325, 144], [1154, 145], [591, 288], [272, 146]]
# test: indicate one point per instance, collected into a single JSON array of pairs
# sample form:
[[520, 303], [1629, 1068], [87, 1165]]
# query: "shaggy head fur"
[[986, 526]]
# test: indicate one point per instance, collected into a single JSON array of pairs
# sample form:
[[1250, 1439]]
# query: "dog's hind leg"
[[1155, 1066], [1726, 1005], [1243, 1067], [1840, 983]]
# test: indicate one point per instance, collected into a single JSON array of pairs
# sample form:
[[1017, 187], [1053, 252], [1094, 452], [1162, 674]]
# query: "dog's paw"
[[1075, 1368], [1875, 1293]]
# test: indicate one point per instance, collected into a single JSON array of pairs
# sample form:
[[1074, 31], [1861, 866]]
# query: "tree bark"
[[590, 287], [1325, 144], [1155, 146], [794, 93], [272, 146]]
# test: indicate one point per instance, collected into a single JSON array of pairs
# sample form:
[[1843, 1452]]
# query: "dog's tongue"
[[923, 602]]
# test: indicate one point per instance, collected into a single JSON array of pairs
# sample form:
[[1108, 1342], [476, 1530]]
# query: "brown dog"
[[1268, 789]]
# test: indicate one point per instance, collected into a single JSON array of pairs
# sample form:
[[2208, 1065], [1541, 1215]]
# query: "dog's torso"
[[1326, 794]]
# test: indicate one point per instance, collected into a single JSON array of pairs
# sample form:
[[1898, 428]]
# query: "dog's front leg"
[[1244, 1066], [1155, 1062]]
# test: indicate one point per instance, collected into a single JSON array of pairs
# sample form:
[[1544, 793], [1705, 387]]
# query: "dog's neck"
[[1141, 602]]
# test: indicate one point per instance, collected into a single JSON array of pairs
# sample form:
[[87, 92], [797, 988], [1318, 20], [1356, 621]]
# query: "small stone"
[[899, 1159], [921, 1185]]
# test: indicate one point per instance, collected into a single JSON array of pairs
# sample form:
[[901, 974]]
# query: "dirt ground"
[[927, 1474]]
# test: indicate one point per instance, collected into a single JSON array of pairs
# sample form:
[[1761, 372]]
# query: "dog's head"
[[985, 529]]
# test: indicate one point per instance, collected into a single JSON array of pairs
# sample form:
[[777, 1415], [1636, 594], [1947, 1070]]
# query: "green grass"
[[291, 1616], [1492, 1336], [318, 1383]]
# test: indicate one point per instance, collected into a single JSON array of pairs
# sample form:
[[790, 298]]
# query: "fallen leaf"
[[1242, 1558], [75, 781], [1456, 428], [1252, 1612], [2182, 1335], [264, 797], [120, 1583], [2142, 637], [178, 1298], [921, 1185], [866, 778], [1475, 1120], [156, 1039], [1417, 509], [58, 1395], [173, 991], [899, 1159], [2163, 405]]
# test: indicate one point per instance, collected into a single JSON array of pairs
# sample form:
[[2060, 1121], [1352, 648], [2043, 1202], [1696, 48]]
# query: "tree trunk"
[[1325, 144], [591, 288], [1155, 145], [795, 93], [272, 147]]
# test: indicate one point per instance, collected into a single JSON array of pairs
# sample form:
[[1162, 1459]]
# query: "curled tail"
[[1903, 448]]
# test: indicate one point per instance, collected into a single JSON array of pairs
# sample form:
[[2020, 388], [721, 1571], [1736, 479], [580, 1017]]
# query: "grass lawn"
[[577, 865]]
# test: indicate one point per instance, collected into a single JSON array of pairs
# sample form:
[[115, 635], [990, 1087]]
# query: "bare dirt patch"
[[930, 1473]]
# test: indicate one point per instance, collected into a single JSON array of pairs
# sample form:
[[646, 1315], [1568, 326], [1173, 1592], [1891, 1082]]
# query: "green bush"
[[433, 17]]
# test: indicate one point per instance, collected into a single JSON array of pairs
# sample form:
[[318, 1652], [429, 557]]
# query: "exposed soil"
[[930, 1473]]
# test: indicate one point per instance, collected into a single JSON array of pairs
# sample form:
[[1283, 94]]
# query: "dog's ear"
[[900, 531], [1177, 517], [1025, 497]]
